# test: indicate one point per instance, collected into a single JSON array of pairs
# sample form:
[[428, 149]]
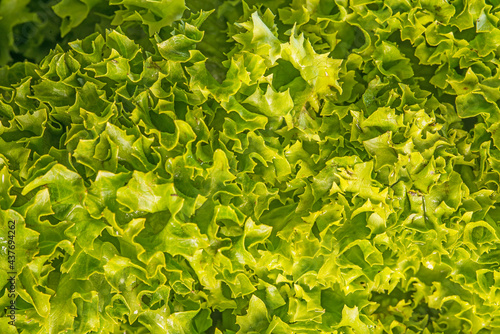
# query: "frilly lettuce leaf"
[[253, 167]]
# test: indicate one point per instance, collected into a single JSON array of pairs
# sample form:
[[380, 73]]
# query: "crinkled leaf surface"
[[250, 167]]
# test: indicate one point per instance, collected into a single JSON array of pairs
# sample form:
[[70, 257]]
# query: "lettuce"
[[252, 167]]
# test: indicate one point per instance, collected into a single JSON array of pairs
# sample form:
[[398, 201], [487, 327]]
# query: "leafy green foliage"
[[255, 167]]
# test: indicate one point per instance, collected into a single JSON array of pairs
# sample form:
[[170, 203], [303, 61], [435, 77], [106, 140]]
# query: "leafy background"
[[251, 167]]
